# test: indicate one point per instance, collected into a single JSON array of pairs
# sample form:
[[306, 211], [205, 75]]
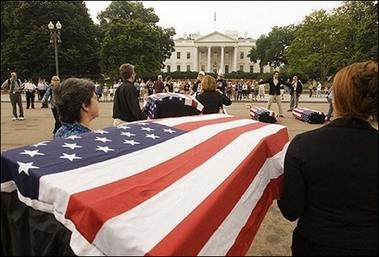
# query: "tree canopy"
[[127, 32], [324, 42], [25, 46], [319, 46]]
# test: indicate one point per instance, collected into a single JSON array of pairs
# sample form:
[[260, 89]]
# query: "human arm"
[[299, 88], [292, 200], [47, 95], [134, 105], [5, 84]]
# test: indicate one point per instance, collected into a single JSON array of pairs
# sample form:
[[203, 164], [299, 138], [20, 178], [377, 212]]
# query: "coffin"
[[263, 114], [309, 115], [163, 105]]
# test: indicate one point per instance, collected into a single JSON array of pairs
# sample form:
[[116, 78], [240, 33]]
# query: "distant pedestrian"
[[48, 97], [15, 88], [158, 85], [30, 89], [329, 98], [295, 92], [42, 87]]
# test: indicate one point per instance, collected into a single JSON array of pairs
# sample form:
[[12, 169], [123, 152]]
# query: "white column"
[[196, 58], [235, 59], [222, 60], [209, 60]]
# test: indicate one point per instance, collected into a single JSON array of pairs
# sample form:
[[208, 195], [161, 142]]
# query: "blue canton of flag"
[[61, 155]]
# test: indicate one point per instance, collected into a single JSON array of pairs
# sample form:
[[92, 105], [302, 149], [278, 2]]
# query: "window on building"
[[214, 57], [178, 55], [177, 67], [241, 67], [241, 55], [202, 67], [251, 68], [226, 69], [168, 68], [188, 67], [203, 56], [227, 56], [188, 55]]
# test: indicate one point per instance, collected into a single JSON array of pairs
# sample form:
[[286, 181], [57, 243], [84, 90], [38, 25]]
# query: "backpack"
[[18, 82]]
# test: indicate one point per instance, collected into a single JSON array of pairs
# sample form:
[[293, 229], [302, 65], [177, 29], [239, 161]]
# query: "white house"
[[215, 52]]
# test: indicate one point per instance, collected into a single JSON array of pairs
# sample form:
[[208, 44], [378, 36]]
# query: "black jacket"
[[126, 105], [212, 101], [331, 186], [274, 89], [299, 88]]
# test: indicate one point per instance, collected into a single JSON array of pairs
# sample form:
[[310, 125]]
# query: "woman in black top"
[[212, 98], [331, 173]]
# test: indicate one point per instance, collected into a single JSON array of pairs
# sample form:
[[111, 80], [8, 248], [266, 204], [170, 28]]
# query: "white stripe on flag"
[[152, 215]]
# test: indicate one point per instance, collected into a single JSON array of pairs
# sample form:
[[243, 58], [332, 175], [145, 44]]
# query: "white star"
[[151, 136], [147, 129], [131, 142], [128, 134], [32, 153], [72, 146], [143, 123], [123, 126], [101, 131], [169, 131], [70, 156], [73, 137], [24, 167], [102, 139], [104, 148], [40, 143]]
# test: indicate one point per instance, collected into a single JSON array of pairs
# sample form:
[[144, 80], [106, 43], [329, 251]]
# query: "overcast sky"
[[254, 17]]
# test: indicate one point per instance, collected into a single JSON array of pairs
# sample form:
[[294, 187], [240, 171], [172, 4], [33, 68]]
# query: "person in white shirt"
[[30, 89]]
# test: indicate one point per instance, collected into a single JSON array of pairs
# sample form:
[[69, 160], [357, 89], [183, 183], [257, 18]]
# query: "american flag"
[[177, 105], [263, 114], [192, 185], [309, 115]]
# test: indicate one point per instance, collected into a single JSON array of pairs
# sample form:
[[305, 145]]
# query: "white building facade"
[[215, 52]]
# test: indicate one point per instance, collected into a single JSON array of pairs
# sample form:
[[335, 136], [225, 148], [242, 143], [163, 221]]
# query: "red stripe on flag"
[[248, 232], [188, 238], [91, 208], [189, 126]]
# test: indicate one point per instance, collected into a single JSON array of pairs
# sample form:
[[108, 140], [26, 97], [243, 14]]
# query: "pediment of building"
[[216, 37]]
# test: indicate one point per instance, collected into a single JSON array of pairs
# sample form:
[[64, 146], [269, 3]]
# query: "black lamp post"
[[55, 37]]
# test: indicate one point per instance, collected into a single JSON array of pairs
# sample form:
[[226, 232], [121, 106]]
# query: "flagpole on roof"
[[215, 20]]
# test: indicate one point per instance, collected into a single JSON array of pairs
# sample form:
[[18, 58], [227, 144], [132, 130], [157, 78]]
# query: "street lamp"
[[55, 37]]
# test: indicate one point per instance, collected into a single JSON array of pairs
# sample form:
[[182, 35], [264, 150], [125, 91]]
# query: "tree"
[[25, 43], [364, 14], [130, 42], [152, 45], [323, 44], [272, 49]]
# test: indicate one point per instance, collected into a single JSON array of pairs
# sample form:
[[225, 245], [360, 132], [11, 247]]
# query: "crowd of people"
[[330, 185]]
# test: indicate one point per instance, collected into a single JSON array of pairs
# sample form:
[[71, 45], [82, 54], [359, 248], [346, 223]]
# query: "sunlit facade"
[[215, 52]]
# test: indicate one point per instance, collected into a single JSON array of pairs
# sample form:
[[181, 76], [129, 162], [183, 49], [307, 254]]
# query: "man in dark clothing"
[[15, 88], [126, 106], [221, 83], [275, 82], [159, 85]]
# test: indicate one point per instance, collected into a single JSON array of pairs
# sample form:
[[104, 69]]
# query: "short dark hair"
[[69, 95], [126, 71]]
